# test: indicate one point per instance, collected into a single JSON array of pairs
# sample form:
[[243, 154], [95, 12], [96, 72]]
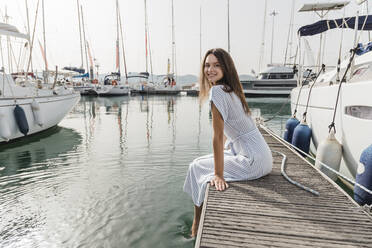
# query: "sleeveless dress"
[[248, 156]]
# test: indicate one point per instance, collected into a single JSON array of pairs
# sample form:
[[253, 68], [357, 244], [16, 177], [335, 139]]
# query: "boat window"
[[362, 112]]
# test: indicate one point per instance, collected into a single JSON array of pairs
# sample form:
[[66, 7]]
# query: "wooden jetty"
[[271, 212]]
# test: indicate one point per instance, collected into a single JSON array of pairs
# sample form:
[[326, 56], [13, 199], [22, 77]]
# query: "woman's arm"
[[218, 149]]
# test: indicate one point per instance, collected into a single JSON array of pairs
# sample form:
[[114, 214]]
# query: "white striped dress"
[[248, 157]]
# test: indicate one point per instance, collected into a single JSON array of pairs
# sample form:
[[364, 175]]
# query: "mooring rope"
[[282, 170], [311, 157]]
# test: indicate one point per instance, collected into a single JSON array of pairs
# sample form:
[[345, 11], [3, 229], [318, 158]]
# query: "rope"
[[353, 51], [299, 93], [311, 88], [279, 111], [282, 170], [332, 125], [311, 157]]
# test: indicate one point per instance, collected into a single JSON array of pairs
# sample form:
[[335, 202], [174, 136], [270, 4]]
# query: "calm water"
[[111, 174]]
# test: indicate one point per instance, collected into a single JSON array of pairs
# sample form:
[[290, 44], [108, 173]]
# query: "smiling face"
[[212, 69]]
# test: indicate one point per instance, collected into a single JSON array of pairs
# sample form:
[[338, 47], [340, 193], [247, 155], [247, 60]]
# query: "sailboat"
[[342, 103], [30, 108], [113, 84], [83, 81], [167, 86]]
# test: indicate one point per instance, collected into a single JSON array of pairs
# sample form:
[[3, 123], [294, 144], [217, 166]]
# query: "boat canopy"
[[323, 6], [347, 22], [86, 75], [10, 30]]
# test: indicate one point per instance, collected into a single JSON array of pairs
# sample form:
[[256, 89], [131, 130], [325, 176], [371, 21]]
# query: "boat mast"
[[263, 39], [273, 14], [117, 39], [228, 26], [81, 43], [32, 40], [200, 34], [6, 17], [46, 74], [85, 42], [290, 35], [28, 27], [173, 44], [147, 70], [122, 45]]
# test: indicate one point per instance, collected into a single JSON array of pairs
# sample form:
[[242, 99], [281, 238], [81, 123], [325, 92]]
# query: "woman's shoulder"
[[217, 91]]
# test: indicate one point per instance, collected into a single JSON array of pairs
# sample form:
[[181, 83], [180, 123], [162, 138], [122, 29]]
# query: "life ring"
[[114, 82]]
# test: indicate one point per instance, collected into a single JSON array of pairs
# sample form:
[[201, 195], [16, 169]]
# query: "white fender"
[[329, 152], [5, 131], [35, 106]]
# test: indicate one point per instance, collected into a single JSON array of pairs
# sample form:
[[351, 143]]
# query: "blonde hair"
[[230, 79]]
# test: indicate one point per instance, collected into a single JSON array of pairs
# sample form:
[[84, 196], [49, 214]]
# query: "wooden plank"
[[271, 212]]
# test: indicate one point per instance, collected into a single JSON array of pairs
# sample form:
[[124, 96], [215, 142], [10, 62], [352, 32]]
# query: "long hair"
[[230, 78]]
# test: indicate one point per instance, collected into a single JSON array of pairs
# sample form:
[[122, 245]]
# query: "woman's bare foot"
[[194, 230]]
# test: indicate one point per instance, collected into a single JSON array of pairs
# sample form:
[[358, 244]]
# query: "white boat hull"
[[112, 90], [53, 108], [352, 131]]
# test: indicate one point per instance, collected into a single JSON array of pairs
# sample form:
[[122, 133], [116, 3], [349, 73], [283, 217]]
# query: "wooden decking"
[[271, 212]]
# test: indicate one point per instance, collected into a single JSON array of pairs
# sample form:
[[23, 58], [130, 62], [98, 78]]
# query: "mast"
[[200, 34], [122, 45], [263, 39], [173, 43], [46, 73], [117, 38], [81, 43], [28, 27], [228, 26], [33, 36], [6, 17], [85, 42], [290, 35], [147, 70], [273, 14]]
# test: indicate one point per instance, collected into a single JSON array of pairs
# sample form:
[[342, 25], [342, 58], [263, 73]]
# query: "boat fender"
[[329, 152], [35, 106], [364, 177], [290, 125], [5, 132], [301, 137], [21, 119]]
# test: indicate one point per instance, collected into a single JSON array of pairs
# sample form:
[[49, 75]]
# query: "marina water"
[[111, 173]]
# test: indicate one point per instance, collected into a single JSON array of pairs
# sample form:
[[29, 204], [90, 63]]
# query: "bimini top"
[[7, 29], [347, 22], [323, 6]]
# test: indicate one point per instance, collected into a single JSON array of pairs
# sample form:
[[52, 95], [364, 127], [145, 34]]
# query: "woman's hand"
[[219, 183]]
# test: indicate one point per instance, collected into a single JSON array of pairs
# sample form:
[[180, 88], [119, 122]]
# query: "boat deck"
[[271, 212]]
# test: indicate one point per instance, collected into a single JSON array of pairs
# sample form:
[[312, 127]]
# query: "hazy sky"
[[246, 20]]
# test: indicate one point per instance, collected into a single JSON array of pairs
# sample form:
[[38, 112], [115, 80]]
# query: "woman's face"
[[212, 69]]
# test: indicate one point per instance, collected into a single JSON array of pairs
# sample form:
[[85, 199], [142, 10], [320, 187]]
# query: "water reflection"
[[23, 154]]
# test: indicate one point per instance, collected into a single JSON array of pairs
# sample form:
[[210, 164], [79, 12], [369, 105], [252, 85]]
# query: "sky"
[[246, 31]]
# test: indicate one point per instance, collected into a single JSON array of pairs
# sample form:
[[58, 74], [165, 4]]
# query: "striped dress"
[[247, 156]]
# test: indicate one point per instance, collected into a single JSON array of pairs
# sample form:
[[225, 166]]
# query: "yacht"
[[112, 86], [28, 107], [353, 116], [276, 81]]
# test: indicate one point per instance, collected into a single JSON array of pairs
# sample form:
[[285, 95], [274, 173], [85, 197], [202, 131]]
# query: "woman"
[[248, 157]]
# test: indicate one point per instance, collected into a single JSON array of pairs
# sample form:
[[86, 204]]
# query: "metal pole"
[[46, 74], [263, 39], [81, 43], [273, 14], [228, 26]]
